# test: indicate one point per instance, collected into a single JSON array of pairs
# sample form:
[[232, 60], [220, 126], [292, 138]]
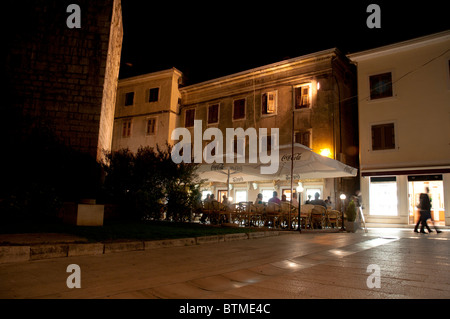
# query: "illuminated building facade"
[[309, 98], [404, 129]]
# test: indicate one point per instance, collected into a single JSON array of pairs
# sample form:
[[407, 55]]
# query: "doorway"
[[417, 185], [221, 193]]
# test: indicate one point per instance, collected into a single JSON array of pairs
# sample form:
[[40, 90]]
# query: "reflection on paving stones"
[[244, 277], [288, 265]]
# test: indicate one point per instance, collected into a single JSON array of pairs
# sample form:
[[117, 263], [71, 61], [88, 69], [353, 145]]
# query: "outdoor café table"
[[246, 212]]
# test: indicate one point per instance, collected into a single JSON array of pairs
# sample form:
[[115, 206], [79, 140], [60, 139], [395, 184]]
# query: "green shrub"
[[351, 211], [148, 183]]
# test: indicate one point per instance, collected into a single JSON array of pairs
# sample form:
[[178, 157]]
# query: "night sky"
[[206, 40]]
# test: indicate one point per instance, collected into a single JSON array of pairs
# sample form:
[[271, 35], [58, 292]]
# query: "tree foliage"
[[149, 185]]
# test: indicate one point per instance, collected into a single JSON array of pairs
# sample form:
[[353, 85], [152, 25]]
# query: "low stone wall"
[[10, 254]]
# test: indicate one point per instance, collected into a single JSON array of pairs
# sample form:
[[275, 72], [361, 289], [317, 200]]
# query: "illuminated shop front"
[[393, 199]]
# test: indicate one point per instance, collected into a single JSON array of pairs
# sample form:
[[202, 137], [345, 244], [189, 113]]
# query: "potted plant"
[[351, 225]]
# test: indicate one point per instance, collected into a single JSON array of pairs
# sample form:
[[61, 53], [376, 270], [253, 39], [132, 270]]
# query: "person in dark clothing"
[[425, 213]]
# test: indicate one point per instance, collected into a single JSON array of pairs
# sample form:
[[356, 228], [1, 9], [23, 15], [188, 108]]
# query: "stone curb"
[[11, 254]]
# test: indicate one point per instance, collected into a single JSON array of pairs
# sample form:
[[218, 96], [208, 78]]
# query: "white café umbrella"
[[308, 164], [303, 164], [233, 172]]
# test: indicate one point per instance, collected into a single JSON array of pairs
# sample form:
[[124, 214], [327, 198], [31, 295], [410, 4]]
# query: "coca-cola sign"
[[288, 157]]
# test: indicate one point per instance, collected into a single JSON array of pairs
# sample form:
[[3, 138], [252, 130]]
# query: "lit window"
[[205, 194], [383, 196], [126, 128], [241, 196], [267, 194], [302, 97], [380, 86], [269, 103]]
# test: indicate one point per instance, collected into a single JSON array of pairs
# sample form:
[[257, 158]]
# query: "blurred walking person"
[[425, 213]]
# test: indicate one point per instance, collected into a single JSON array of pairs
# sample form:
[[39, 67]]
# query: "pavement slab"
[[289, 266]]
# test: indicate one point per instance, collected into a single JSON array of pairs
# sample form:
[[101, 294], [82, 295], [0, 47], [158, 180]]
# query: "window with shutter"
[[383, 137], [302, 97], [151, 126], [239, 109], [269, 102], [189, 118], [304, 138], [126, 128], [213, 114]]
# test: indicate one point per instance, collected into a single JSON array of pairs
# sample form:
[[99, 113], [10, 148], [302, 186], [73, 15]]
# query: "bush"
[[146, 184], [351, 211]]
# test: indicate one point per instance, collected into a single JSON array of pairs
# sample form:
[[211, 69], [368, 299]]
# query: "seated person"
[[294, 200], [259, 199], [317, 201], [275, 199], [308, 201], [225, 200], [328, 202]]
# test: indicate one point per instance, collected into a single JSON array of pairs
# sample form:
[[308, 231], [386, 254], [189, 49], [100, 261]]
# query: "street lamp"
[[342, 197], [299, 192]]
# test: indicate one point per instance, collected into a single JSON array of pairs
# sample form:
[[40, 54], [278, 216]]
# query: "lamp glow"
[[325, 152]]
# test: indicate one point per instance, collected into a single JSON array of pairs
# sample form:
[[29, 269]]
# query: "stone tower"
[[66, 77], [61, 80]]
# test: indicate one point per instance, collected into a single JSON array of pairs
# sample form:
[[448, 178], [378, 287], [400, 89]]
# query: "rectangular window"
[[190, 117], [153, 95], [151, 126], [213, 114], [302, 97], [304, 138], [126, 128], [269, 103], [129, 98], [239, 109], [267, 194], [380, 86], [383, 137], [241, 196], [383, 196]]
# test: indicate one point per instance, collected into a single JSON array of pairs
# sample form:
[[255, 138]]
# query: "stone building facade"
[[308, 98], [147, 109], [404, 129], [65, 79]]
